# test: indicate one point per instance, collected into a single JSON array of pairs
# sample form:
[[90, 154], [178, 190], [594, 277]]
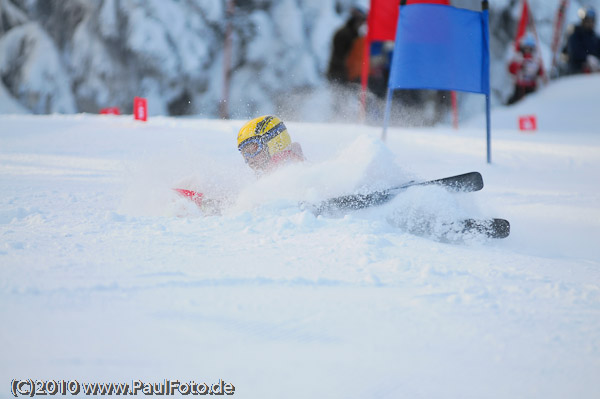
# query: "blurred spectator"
[[583, 45], [354, 60], [381, 57], [343, 43], [526, 67]]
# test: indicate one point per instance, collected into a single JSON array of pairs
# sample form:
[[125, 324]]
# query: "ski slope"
[[108, 276]]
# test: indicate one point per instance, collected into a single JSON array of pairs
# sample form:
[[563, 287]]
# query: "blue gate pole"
[[488, 128], [486, 29]]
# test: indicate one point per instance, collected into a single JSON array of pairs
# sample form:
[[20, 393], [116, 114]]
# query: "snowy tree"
[[79, 56]]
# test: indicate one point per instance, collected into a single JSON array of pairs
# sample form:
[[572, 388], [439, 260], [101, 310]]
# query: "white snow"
[[108, 276]]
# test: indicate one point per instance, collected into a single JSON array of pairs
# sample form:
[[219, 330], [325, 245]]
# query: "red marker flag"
[[140, 109], [110, 111], [528, 123]]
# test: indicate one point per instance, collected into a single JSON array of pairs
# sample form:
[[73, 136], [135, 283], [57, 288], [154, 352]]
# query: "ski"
[[193, 196], [209, 206], [492, 228], [466, 182], [457, 230]]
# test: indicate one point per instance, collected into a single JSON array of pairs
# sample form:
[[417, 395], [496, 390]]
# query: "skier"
[[583, 45], [266, 145], [526, 67]]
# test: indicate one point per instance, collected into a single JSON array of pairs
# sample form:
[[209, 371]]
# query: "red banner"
[[383, 17]]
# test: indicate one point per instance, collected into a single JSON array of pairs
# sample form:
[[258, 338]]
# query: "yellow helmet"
[[268, 130]]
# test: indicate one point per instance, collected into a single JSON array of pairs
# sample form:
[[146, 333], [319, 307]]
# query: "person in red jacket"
[[526, 67], [266, 145]]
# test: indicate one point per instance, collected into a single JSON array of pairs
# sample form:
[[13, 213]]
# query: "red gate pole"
[[454, 99]]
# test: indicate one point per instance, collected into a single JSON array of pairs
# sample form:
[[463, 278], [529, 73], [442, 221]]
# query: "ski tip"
[[491, 228], [467, 182], [500, 228], [476, 181]]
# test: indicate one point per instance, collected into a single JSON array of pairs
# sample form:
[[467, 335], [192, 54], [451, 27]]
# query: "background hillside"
[[72, 56]]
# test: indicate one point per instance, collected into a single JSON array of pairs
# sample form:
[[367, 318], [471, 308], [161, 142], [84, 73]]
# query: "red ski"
[[194, 196]]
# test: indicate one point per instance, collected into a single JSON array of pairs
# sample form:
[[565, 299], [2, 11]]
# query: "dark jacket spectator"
[[343, 40], [583, 45]]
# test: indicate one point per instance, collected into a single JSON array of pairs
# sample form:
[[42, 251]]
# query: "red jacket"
[[526, 69], [293, 153]]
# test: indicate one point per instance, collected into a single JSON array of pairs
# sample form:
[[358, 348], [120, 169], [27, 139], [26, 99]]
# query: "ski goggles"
[[255, 145]]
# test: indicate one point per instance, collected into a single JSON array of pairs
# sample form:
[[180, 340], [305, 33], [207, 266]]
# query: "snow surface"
[[108, 276]]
